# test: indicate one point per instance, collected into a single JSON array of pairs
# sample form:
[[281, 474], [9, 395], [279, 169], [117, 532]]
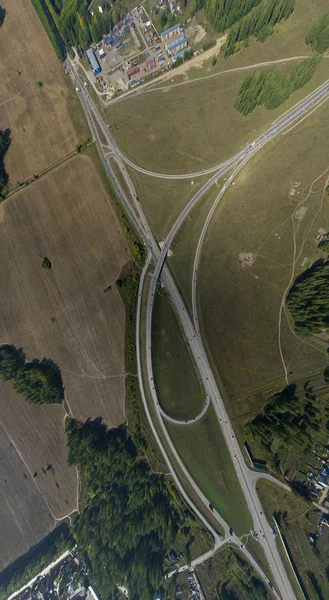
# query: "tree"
[[130, 516], [39, 383], [308, 299], [271, 88], [10, 361], [318, 37], [46, 264]]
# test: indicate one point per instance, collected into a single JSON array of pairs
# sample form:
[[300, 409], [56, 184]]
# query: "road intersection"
[[247, 478]]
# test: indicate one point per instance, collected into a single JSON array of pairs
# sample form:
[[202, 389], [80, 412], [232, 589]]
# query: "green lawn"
[[179, 390], [295, 524], [203, 450]]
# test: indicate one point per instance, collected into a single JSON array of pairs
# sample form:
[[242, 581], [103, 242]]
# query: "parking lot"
[[129, 55]]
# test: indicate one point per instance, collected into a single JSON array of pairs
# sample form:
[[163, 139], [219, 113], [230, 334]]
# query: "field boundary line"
[[15, 95], [44, 171]]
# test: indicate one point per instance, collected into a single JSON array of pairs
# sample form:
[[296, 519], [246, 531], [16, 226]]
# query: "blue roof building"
[[166, 35], [176, 46], [93, 61]]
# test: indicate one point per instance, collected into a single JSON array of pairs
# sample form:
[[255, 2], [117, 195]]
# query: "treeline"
[[38, 558], [318, 37], [259, 22], [224, 13], [128, 288], [291, 419], [4, 145], [130, 516], [308, 299], [38, 382], [271, 88]]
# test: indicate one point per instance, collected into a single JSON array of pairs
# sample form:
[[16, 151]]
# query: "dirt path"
[[191, 64]]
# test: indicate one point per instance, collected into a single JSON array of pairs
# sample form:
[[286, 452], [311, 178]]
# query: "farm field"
[[187, 128], [203, 451], [248, 262], [38, 488], [297, 520], [180, 392], [41, 128], [64, 314]]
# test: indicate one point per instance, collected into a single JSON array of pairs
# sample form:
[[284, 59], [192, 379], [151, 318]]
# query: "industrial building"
[[93, 61], [176, 45], [171, 32]]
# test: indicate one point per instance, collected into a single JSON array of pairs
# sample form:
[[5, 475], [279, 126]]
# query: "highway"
[[246, 477]]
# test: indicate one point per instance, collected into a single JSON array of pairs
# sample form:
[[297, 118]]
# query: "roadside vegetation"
[[318, 37], [228, 576], [179, 390], [39, 382], [124, 535], [127, 285], [204, 452], [298, 519], [38, 558], [271, 87]]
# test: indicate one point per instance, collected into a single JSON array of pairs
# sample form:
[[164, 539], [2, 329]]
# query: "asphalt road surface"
[[246, 477]]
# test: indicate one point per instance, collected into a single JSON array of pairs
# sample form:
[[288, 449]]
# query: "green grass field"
[[164, 199], [297, 520], [248, 261], [195, 125], [179, 389], [203, 451]]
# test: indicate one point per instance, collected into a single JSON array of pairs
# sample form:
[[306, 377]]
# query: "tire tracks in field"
[[13, 443], [296, 257]]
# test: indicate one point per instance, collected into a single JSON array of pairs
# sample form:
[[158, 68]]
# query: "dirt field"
[[64, 313], [32, 442], [38, 118]]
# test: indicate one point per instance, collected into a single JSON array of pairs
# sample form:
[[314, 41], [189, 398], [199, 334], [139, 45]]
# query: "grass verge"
[[297, 520], [179, 390], [203, 450]]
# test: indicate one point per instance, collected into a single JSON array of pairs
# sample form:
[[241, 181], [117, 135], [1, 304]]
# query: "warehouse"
[[169, 33], [93, 61], [176, 46]]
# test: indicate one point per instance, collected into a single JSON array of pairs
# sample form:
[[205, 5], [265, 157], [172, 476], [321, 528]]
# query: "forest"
[[222, 13], [271, 87], [39, 382], [259, 22], [292, 419], [318, 37], [4, 145], [308, 299], [129, 515], [78, 27]]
